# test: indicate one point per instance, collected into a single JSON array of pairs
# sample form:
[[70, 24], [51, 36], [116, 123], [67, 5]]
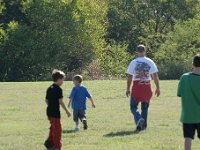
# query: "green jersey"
[[189, 91]]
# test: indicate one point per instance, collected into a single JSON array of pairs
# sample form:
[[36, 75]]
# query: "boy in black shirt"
[[54, 98]]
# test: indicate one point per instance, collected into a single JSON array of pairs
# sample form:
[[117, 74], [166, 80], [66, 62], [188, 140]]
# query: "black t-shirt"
[[54, 93]]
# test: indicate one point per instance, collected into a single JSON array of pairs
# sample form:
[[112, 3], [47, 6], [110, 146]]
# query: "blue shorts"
[[79, 114]]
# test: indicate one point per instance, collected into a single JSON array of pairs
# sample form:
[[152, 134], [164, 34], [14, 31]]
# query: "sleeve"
[[179, 91], [88, 95], [72, 94], [60, 94], [130, 69], [154, 68]]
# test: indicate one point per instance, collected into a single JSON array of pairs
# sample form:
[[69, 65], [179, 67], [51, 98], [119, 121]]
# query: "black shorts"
[[189, 130], [79, 114]]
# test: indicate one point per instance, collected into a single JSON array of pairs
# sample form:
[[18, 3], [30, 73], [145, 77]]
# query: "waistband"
[[142, 82]]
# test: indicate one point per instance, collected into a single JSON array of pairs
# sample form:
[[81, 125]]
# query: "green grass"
[[24, 126]]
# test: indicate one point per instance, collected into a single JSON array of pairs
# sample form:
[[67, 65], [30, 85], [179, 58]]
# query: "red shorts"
[[55, 132], [142, 91]]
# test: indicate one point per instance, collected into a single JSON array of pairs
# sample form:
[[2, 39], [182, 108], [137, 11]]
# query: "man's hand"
[[128, 93], [68, 114], [157, 92]]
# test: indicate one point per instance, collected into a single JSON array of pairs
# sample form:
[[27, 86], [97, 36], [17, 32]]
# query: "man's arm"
[[64, 107], [129, 81], [156, 81]]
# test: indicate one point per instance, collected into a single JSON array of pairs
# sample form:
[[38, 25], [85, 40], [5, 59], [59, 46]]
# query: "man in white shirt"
[[139, 74]]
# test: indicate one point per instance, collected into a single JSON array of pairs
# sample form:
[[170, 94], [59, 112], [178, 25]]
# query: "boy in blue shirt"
[[78, 98]]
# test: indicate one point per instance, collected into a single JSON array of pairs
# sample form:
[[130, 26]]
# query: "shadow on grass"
[[121, 133], [68, 131]]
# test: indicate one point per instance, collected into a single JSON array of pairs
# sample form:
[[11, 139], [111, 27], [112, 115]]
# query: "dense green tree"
[[175, 55], [61, 34], [146, 21]]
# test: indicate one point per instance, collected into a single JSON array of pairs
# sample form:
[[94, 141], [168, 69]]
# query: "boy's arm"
[[179, 92], [70, 101], [46, 100], [64, 107], [92, 101]]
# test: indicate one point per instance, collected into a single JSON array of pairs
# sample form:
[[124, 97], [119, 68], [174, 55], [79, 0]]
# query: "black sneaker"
[[140, 124], [47, 144], [85, 126]]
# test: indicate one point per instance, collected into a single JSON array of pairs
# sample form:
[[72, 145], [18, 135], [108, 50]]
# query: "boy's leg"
[[49, 142], [82, 116], [198, 130], [144, 114], [75, 118], [188, 143], [189, 132], [57, 133], [134, 110]]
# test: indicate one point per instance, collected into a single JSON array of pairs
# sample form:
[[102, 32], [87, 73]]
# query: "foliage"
[[59, 34], [93, 37], [175, 55], [146, 21], [116, 60]]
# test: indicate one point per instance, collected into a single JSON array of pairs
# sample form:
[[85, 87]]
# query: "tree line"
[[96, 38]]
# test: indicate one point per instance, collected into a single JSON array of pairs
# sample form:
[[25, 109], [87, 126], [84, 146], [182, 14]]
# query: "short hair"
[[78, 78], [141, 48], [196, 60], [57, 74]]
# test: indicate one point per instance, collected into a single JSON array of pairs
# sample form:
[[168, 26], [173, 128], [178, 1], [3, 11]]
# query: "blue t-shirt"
[[79, 95]]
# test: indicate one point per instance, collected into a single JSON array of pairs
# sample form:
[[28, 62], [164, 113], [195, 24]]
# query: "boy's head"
[[58, 77], [77, 79], [196, 61]]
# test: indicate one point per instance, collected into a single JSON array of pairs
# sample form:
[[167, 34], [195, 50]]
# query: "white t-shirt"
[[141, 68]]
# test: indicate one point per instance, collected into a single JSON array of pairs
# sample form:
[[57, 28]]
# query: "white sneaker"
[[77, 129]]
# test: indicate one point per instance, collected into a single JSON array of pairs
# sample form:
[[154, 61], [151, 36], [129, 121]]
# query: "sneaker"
[[77, 129], [140, 124], [85, 126], [47, 144]]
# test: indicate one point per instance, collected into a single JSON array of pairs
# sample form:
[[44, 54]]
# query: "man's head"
[[77, 79], [141, 49], [58, 77], [196, 61]]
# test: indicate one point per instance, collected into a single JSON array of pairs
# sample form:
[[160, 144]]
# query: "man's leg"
[[134, 110], [144, 114]]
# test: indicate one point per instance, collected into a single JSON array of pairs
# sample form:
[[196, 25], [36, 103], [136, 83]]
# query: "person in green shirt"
[[189, 91]]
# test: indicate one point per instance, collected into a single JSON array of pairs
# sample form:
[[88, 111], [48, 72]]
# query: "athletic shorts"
[[190, 129], [79, 114]]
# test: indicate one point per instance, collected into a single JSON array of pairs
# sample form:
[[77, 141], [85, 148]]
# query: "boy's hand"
[[69, 105], [68, 113], [93, 105]]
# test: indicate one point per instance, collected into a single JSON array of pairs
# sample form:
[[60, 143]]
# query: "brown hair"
[[196, 60], [78, 78], [57, 74]]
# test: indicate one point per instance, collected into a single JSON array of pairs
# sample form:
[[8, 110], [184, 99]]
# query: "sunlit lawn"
[[24, 126]]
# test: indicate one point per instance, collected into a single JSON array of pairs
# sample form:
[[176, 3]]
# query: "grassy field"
[[24, 126]]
